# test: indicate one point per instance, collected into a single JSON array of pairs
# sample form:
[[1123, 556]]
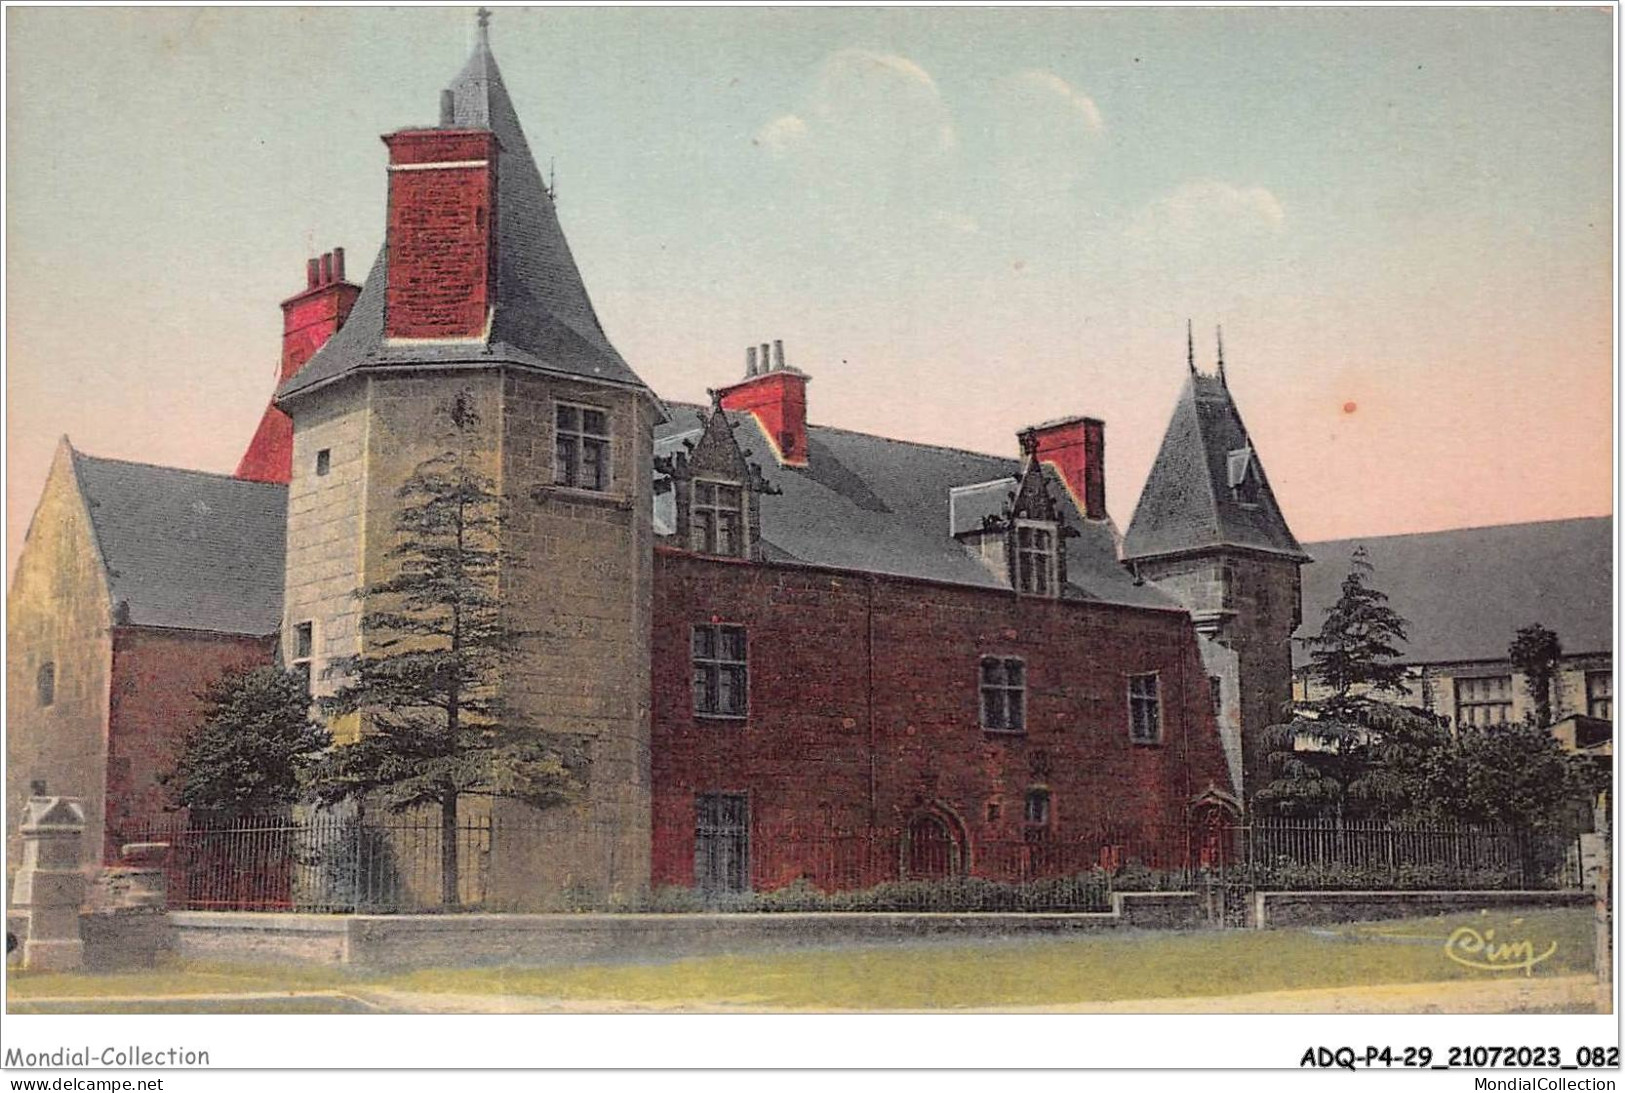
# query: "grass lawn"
[[932, 975]]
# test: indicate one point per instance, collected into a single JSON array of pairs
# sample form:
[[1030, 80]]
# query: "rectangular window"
[[720, 676], [1038, 807], [1600, 695], [722, 843], [1144, 709], [1484, 700], [581, 447], [1004, 694], [716, 519], [1035, 560], [45, 683], [324, 461], [304, 648], [1216, 690]]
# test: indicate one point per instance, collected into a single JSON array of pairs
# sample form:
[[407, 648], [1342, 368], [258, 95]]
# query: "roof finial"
[[483, 17], [1219, 333], [1190, 348]]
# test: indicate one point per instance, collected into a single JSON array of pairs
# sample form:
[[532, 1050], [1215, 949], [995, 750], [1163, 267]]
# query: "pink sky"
[[959, 224]]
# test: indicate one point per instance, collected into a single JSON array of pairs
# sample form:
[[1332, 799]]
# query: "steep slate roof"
[[543, 318], [185, 549], [882, 506], [1188, 503], [1466, 592]]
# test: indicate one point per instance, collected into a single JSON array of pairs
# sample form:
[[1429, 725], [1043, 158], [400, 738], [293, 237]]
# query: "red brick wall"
[[156, 677], [824, 749], [442, 212]]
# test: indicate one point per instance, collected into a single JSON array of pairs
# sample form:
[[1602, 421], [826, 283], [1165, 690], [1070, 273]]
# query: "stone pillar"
[[50, 885], [128, 923]]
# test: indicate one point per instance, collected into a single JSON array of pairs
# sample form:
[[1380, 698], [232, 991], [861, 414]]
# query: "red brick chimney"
[[308, 320], [1076, 448], [442, 233], [776, 397]]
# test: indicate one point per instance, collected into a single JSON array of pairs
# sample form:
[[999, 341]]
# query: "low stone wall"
[[1322, 908], [463, 940], [254, 938]]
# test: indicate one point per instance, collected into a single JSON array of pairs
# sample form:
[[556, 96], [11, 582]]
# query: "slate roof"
[[186, 549], [1188, 503], [1466, 592], [543, 318], [882, 506]]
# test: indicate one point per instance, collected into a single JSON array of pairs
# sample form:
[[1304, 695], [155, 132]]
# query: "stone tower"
[[475, 291], [1208, 531]]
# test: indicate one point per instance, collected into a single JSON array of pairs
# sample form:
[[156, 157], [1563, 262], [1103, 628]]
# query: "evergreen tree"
[[251, 751], [434, 728], [1535, 652], [1351, 754], [1357, 645]]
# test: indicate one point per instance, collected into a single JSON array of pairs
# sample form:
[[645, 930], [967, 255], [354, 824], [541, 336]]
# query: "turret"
[[1209, 532]]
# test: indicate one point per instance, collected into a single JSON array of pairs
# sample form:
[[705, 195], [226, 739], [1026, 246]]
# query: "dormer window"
[[1035, 558], [1243, 475], [716, 522]]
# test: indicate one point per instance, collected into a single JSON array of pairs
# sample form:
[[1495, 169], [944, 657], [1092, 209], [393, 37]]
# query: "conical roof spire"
[[1190, 348], [1197, 497], [541, 315]]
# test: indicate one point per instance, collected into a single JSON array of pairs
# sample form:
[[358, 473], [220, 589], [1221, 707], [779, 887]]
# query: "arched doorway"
[[934, 850]]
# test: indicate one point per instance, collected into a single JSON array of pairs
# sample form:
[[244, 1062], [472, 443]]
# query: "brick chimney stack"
[[309, 318], [442, 234], [776, 396], [1076, 448]]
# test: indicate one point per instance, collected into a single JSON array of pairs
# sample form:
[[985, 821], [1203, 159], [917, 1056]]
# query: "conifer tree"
[[1357, 645], [434, 729], [1535, 652], [252, 749]]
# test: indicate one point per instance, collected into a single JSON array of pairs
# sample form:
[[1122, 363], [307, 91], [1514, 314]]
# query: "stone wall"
[[58, 613], [520, 940], [1320, 908], [580, 588], [326, 517]]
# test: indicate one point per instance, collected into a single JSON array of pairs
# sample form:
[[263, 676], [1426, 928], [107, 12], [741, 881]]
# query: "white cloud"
[[782, 134], [1208, 210], [865, 105], [1043, 88]]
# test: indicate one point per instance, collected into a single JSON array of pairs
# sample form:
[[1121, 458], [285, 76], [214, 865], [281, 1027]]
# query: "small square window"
[[324, 461], [1145, 709]]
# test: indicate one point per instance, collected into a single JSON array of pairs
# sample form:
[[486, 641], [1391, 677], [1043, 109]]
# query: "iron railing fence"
[[1350, 854], [318, 863], [329, 862]]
